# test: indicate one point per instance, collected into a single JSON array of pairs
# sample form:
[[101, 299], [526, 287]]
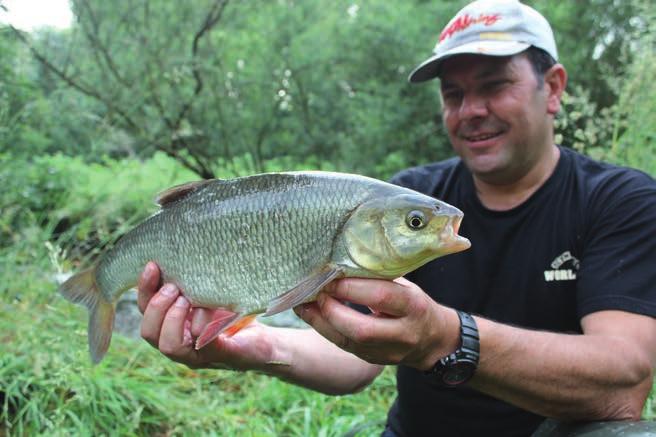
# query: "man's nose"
[[473, 106]]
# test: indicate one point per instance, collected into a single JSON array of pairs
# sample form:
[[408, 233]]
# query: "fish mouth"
[[450, 241], [455, 224]]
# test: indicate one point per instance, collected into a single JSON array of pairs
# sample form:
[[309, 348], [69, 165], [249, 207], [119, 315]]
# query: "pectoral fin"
[[304, 291]]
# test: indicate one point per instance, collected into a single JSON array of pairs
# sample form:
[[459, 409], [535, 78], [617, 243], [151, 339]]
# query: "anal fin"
[[304, 291]]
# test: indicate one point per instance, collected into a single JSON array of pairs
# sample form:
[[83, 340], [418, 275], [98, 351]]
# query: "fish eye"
[[415, 220]]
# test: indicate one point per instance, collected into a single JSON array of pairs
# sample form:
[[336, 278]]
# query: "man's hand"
[[406, 326], [171, 325]]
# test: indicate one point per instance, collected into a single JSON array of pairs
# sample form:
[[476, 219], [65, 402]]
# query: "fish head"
[[394, 235]]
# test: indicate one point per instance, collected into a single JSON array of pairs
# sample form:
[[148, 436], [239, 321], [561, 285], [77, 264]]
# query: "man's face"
[[496, 115]]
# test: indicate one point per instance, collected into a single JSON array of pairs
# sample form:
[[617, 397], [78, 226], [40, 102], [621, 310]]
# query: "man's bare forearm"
[[305, 358], [587, 377]]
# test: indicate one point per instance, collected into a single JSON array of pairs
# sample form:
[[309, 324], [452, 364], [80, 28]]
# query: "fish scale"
[[303, 228], [267, 242]]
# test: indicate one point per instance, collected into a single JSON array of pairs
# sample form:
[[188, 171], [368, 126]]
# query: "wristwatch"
[[458, 367]]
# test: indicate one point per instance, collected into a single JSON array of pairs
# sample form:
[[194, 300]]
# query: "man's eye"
[[452, 95], [495, 84]]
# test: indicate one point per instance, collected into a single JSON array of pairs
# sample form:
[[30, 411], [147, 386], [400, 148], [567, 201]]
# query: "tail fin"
[[82, 288]]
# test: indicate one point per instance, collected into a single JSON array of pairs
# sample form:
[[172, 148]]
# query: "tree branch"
[[95, 42], [213, 16], [83, 88]]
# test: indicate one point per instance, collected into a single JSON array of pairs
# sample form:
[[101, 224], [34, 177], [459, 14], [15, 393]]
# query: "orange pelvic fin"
[[227, 322], [213, 329], [239, 325]]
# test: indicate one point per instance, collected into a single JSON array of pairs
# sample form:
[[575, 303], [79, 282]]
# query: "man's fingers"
[[360, 328], [311, 314], [155, 312], [199, 319], [172, 339], [380, 295], [148, 283], [343, 326]]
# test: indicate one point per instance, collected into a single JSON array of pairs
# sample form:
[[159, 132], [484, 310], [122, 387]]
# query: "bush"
[[80, 206], [582, 126], [624, 132], [634, 139]]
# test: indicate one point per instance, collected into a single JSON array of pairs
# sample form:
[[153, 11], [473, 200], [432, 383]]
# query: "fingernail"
[[300, 310], [150, 268], [304, 312], [169, 290], [181, 302]]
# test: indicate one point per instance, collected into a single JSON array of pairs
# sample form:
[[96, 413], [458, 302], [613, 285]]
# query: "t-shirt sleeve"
[[406, 178], [618, 265], [423, 179]]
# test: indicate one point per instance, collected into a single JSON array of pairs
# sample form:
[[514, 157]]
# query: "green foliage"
[[634, 140], [624, 132], [86, 206], [260, 78], [592, 37], [207, 84], [582, 126]]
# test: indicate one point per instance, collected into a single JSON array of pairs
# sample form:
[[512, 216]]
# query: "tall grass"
[[49, 387]]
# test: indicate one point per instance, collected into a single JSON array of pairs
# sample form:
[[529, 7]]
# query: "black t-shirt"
[[584, 242]]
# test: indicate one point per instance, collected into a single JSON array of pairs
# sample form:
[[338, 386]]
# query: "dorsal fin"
[[177, 192]]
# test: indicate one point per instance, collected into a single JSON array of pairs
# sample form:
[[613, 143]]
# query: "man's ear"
[[555, 80]]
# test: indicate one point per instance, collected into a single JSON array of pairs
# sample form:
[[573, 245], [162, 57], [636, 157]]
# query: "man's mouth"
[[481, 136]]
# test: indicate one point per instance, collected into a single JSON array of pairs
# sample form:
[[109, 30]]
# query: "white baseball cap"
[[492, 28]]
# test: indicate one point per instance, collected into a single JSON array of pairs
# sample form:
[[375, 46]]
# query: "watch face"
[[458, 373]]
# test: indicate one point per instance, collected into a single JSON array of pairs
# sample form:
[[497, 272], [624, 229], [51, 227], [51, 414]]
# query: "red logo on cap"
[[464, 21]]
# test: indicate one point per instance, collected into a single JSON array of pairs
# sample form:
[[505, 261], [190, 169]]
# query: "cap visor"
[[430, 68]]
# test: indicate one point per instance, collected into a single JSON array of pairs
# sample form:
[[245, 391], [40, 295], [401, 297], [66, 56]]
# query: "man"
[[549, 314]]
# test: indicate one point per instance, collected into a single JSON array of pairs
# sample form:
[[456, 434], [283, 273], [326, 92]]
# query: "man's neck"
[[503, 197]]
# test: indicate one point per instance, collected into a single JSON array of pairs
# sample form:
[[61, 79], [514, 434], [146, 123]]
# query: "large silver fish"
[[266, 243]]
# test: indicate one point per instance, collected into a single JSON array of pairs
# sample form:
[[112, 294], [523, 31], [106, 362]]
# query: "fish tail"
[[83, 289]]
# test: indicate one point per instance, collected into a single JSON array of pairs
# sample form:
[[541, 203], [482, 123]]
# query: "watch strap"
[[469, 340], [465, 356]]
